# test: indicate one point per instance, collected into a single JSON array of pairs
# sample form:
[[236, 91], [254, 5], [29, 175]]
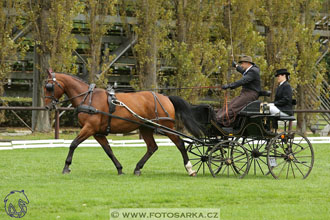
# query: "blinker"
[[49, 87]]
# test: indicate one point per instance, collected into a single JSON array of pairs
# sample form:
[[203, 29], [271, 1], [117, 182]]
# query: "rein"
[[228, 121], [51, 87]]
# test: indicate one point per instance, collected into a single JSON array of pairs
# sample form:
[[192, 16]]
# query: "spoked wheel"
[[258, 155], [229, 158], [198, 155], [290, 155]]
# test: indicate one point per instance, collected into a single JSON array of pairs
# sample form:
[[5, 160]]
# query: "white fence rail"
[[30, 144]]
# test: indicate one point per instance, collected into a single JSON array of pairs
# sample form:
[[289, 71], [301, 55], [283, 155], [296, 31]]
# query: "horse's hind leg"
[[83, 135], [148, 137], [106, 147], [180, 145]]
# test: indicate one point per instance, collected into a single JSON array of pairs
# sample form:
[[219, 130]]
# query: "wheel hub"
[[204, 158], [228, 161], [290, 157], [256, 153]]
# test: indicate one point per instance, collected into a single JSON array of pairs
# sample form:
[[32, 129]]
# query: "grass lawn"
[[93, 187]]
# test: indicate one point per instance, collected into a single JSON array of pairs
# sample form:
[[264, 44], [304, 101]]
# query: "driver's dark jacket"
[[283, 98], [250, 80]]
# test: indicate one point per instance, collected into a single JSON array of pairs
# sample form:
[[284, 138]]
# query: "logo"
[[15, 204]]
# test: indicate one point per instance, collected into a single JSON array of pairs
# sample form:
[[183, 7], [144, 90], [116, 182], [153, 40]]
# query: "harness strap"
[[156, 111], [112, 107], [89, 92], [91, 89]]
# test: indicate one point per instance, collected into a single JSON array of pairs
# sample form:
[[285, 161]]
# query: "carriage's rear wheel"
[[290, 155], [257, 154], [229, 158]]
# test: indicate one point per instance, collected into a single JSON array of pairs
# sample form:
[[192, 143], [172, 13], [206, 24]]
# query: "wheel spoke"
[[199, 167], [287, 172], [299, 169], [282, 168], [197, 163], [292, 171], [260, 168], [204, 168], [233, 170], [300, 162]]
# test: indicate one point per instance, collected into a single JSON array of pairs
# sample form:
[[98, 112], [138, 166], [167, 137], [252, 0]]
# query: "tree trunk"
[[148, 74], [181, 21], [150, 67], [301, 117], [43, 57]]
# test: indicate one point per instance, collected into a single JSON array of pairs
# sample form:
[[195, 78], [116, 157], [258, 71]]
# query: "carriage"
[[255, 144], [258, 143]]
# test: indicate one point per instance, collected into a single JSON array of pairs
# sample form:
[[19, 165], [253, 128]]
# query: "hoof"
[[137, 172], [193, 174], [120, 171], [66, 171]]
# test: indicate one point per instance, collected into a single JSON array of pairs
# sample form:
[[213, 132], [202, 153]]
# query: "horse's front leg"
[[103, 141], [83, 135]]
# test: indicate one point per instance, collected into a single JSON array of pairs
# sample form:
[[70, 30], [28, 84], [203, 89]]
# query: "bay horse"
[[142, 103]]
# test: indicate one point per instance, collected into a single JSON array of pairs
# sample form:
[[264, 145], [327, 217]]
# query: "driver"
[[251, 87]]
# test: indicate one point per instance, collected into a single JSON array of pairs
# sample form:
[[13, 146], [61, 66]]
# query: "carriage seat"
[[287, 118], [265, 93], [253, 108]]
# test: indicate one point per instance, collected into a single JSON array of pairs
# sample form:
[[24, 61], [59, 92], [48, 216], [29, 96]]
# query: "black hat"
[[282, 72]]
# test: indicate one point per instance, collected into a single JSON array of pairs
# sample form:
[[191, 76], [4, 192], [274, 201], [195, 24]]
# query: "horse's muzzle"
[[50, 106]]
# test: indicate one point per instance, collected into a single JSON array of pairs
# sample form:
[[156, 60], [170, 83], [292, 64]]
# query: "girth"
[[112, 107]]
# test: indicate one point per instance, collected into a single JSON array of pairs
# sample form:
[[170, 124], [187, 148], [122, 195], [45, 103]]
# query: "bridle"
[[50, 87]]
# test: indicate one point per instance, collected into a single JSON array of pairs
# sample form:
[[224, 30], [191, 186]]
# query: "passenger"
[[283, 98], [250, 83]]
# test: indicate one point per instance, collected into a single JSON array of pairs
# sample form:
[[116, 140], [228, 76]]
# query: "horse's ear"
[[50, 71]]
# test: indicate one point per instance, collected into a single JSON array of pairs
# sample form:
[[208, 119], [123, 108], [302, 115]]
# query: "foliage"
[[61, 41], [152, 30], [9, 48], [97, 13]]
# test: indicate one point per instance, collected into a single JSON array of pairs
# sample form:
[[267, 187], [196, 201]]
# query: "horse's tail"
[[184, 114]]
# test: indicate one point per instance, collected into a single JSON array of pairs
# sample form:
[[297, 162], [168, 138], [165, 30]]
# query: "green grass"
[[67, 135], [93, 187]]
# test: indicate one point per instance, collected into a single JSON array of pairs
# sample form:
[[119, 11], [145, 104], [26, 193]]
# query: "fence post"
[[57, 124]]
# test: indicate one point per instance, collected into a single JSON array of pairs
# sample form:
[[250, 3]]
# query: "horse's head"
[[53, 91]]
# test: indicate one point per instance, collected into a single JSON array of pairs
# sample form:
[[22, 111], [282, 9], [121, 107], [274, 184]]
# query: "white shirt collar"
[[282, 82], [247, 69]]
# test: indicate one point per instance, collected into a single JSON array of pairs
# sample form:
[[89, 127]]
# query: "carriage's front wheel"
[[290, 155], [229, 158], [198, 155]]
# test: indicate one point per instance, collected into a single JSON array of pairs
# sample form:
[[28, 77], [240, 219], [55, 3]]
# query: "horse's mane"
[[74, 77]]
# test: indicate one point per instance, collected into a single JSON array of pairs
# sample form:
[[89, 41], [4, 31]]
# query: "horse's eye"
[[49, 87]]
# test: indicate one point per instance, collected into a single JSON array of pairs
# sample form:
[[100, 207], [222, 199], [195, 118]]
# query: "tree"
[[10, 12], [98, 14], [290, 44], [191, 50], [52, 21], [238, 18], [151, 30], [309, 76]]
